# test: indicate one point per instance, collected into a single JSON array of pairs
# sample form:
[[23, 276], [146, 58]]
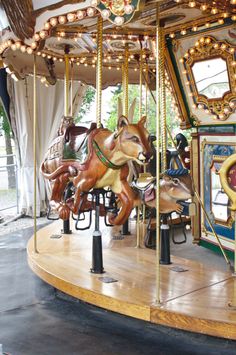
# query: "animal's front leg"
[[126, 197], [84, 185]]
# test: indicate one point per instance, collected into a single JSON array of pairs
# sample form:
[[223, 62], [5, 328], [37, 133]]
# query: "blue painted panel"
[[209, 151]]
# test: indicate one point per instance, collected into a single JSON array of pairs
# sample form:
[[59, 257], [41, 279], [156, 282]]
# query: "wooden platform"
[[195, 300]]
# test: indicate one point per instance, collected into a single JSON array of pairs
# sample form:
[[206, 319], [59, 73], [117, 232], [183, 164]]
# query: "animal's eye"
[[134, 139], [176, 181]]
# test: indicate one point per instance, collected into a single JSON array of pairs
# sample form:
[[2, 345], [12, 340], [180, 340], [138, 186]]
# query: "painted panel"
[[213, 151]]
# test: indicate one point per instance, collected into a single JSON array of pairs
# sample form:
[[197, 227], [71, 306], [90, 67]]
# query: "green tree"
[[88, 99], [5, 129], [134, 93]]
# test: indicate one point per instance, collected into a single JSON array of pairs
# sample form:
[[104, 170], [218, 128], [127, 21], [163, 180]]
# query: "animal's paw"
[[70, 202], [179, 208], [64, 212], [112, 218]]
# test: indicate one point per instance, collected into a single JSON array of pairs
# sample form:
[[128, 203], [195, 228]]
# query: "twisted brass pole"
[[35, 157], [99, 72], [71, 89], [146, 93], [66, 85], [163, 100], [125, 82], [140, 83], [158, 270]]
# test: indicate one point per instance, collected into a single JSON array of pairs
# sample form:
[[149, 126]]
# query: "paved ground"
[[36, 320]]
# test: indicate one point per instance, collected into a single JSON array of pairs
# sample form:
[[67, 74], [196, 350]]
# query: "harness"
[[103, 158]]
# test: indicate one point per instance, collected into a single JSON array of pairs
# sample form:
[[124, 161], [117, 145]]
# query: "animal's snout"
[[148, 155]]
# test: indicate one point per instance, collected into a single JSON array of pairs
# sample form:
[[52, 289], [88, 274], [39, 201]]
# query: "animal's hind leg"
[[57, 196], [126, 198], [59, 187]]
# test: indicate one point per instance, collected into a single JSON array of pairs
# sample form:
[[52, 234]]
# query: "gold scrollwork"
[[207, 49], [224, 172]]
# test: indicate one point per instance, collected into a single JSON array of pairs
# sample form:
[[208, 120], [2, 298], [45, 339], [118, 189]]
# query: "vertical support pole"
[[165, 235], [71, 89], [35, 157], [97, 259], [163, 99], [165, 241], [125, 88], [138, 237], [125, 82], [66, 223], [140, 83], [158, 270], [146, 93], [66, 83], [99, 72]]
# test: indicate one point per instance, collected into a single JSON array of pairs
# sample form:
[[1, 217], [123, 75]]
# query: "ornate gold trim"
[[226, 166], [177, 93], [230, 220], [209, 48]]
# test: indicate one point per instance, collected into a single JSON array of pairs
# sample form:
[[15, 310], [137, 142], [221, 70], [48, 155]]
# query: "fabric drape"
[[50, 109]]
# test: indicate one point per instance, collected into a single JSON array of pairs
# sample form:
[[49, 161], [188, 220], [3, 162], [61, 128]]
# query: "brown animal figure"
[[172, 190], [105, 164]]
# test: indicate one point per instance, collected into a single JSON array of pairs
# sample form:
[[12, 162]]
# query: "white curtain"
[[50, 109]]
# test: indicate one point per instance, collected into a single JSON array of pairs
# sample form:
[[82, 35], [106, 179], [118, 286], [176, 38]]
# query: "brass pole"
[[71, 89], [99, 72], [35, 157], [140, 83], [66, 85], [158, 269], [125, 82], [163, 100], [146, 92]]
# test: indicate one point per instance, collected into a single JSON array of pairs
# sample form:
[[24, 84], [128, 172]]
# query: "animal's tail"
[[60, 170]]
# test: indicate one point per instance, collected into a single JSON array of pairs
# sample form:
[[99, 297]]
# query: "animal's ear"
[[166, 177], [120, 107], [131, 110], [122, 121], [142, 121]]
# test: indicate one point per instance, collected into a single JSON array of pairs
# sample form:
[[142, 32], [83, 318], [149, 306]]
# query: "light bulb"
[[119, 20], [128, 9], [105, 14]]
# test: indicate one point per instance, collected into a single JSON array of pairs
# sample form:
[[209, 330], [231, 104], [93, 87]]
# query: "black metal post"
[[125, 228], [66, 227], [97, 260], [165, 241]]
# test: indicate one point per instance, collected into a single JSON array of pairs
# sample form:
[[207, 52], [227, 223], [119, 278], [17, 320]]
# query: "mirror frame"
[[229, 222], [207, 48]]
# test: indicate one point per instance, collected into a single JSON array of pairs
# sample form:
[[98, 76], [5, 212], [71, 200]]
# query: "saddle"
[[76, 143], [146, 185]]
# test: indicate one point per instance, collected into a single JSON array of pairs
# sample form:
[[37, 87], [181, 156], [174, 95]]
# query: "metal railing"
[[6, 170]]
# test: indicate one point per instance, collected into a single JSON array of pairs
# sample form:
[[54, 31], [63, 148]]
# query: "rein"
[[104, 159]]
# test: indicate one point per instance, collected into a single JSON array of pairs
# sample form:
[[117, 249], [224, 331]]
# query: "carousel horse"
[[95, 158]]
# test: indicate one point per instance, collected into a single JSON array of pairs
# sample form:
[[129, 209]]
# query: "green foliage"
[[88, 99], [111, 123], [5, 127], [134, 92]]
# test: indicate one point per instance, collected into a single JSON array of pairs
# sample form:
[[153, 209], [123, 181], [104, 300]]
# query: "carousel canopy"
[[52, 28]]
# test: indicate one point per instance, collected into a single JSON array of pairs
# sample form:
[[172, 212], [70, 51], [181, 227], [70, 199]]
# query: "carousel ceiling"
[[49, 28]]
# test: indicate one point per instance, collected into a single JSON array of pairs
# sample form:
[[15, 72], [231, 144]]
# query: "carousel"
[[91, 180]]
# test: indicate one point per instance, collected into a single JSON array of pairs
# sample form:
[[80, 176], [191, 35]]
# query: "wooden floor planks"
[[195, 300]]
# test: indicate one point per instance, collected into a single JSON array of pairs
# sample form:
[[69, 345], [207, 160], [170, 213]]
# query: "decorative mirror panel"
[[210, 68]]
